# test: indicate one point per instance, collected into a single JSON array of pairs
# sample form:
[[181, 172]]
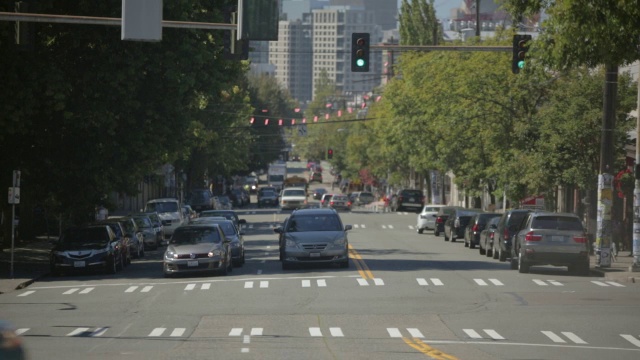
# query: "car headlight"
[[340, 242], [170, 255], [214, 253], [290, 243]]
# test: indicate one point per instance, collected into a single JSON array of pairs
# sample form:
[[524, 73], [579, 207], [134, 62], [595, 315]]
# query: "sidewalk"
[[619, 269], [30, 262]]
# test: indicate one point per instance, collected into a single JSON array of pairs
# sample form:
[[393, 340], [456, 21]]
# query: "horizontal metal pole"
[[440, 48], [90, 20]]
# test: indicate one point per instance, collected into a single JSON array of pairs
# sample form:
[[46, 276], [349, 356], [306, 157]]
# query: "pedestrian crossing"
[[470, 334]]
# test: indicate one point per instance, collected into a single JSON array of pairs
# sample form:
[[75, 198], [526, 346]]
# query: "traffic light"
[[330, 154], [520, 48], [360, 52]]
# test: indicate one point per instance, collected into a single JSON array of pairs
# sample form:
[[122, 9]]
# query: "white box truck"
[[276, 174]]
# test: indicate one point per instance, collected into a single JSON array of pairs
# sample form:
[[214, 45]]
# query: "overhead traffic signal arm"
[[520, 49], [360, 52]]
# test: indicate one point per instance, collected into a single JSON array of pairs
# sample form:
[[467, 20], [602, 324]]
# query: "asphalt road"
[[404, 296]]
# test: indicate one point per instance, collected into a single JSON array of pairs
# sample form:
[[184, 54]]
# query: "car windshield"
[[163, 207], [142, 222], [187, 236], [268, 193], [431, 208], [88, 235], [215, 213], [227, 227], [302, 223], [154, 217], [556, 223], [116, 229], [411, 193], [293, 192]]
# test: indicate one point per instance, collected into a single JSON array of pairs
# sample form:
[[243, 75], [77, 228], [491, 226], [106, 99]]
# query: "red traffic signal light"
[[330, 154]]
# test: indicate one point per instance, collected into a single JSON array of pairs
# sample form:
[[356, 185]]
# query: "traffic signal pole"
[[635, 246]]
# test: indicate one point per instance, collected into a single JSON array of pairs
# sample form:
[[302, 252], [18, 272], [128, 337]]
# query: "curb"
[[25, 284]]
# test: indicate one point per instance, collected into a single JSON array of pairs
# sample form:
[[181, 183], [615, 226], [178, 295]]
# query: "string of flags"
[[315, 118]]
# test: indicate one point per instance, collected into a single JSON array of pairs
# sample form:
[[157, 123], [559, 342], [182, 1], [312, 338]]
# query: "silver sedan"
[[198, 248]]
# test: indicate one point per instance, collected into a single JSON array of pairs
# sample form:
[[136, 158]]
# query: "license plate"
[[192, 263], [79, 264], [339, 204], [412, 199], [557, 238], [314, 255]]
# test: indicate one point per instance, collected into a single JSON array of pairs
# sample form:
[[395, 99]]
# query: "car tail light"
[[491, 235], [531, 236], [475, 228], [582, 239], [439, 220], [505, 234], [331, 203], [348, 203]]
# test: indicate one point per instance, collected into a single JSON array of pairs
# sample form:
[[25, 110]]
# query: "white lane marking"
[[390, 226], [362, 282], [336, 332], [315, 331], [615, 284], [362, 226], [22, 331], [555, 338], [259, 272], [99, 331], [378, 282], [131, 289], [496, 282], [244, 350], [394, 332], [157, 331], [264, 284], [472, 333], [493, 334], [599, 283], [256, 331], [86, 291], [178, 332], [573, 337], [415, 333], [27, 293], [268, 246], [411, 227], [322, 283], [556, 283], [190, 287], [246, 339], [205, 286], [632, 339], [235, 332], [78, 331], [248, 284], [384, 226], [146, 289], [540, 282], [306, 283], [70, 291], [436, 282], [480, 282], [355, 226], [422, 282]]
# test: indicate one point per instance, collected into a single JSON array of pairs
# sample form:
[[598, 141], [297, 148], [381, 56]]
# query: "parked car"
[[441, 218], [427, 217], [150, 237], [227, 214], [508, 224], [198, 248], [224, 203], [361, 198], [293, 198], [547, 238], [268, 198], [457, 222], [324, 200], [318, 192], [407, 199], [477, 223], [252, 183], [487, 235], [169, 211], [86, 248], [200, 199], [266, 188], [131, 241], [239, 197], [340, 202], [231, 232], [314, 236], [157, 225], [131, 232], [315, 176]]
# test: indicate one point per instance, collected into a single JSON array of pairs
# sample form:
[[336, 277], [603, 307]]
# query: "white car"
[[427, 217], [169, 211], [293, 198]]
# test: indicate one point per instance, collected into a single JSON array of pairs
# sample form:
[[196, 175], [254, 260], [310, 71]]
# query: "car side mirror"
[[278, 230], [348, 227], [227, 240], [242, 221]]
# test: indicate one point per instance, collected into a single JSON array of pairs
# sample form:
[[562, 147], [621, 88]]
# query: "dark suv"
[[507, 227], [314, 236], [200, 199], [475, 227], [441, 218], [457, 222], [408, 199]]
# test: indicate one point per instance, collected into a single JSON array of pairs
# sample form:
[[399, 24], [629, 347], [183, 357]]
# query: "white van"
[[169, 211]]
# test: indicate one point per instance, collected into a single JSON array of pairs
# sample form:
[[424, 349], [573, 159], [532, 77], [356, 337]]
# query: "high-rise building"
[[291, 55]]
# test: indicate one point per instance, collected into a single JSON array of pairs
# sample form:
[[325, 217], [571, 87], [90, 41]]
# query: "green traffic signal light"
[[360, 62], [520, 48], [521, 64], [360, 52]]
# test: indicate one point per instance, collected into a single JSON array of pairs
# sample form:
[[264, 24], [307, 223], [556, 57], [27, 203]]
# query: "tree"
[[418, 23]]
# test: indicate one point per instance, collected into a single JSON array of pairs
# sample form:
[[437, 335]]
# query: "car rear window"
[[411, 193], [302, 223], [187, 236], [293, 193], [556, 223]]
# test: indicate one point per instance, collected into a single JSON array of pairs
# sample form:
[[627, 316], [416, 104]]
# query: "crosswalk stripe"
[[555, 338], [99, 331], [248, 284], [131, 289], [22, 331], [632, 339], [235, 332], [70, 291], [256, 331], [493, 334], [540, 282], [178, 332], [436, 282], [362, 226], [411, 227], [394, 332], [87, 290], [480, 282], [415, 333], [27, 293], [264, 284], [573, 337], [190, 287], [615, 284], [384, 226], [422, 282], [390, 226], [157, 331], [146, 289], [315, 331], [205, 286], [362, 282], [472, 333], [556, 283], [336, 332], [78, 331], [496, 282], [599, 283], [306, 283], [378, 282], [244, 350], [322, 283]]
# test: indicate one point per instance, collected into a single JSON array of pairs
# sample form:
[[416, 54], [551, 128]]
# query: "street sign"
[[302, 130], [14, 195]]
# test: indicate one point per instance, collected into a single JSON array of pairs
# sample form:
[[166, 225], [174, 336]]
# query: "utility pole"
[[605, 178], [478, 18], [635, 247]]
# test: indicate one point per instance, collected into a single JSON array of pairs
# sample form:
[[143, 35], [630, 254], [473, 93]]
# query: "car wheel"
[[515, 262], [494, 253], [111, 267], [502, 256], [243, 260], [523, 267], [472, 245], [142, 250], [420, 231], [436, 233], [482, 251], [344, 264], [466, 244]]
